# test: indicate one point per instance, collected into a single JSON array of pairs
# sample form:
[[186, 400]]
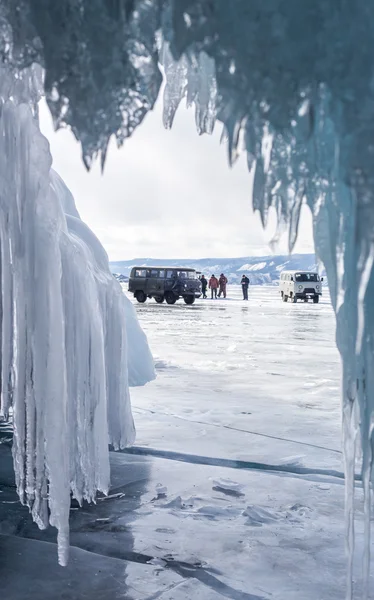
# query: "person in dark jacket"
[[245, 284], [204, 283]]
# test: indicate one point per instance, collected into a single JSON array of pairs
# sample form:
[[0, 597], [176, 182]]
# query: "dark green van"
[[164, 283]]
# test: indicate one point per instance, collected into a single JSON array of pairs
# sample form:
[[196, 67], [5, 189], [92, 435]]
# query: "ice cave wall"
[[292, 83]]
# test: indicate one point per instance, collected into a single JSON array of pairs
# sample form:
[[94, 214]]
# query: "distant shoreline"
[[261, 270]]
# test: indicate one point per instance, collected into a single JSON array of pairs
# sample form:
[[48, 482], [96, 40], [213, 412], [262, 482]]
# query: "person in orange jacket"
[[222, 285], [213, 285]]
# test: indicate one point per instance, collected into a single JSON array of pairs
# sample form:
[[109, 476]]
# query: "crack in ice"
[[237, 464], [232, 428]]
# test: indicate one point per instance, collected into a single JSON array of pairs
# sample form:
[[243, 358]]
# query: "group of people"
[[220, 285], [215, 285]]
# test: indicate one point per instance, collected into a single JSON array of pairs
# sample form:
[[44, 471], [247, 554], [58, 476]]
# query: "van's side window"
[[140, 273], [154, 273], [161, 273], [170, 274]]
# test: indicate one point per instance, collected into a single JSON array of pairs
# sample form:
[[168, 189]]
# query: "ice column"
[[64, 332]]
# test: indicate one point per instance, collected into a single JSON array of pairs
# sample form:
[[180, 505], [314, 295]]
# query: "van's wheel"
[[315, 299], [159, 299], [189, 299], [141, 296], [305, 299], [170, 298], [285, 298]]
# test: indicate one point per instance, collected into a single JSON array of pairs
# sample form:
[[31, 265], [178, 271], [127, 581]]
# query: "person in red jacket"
[[222, 285], [213, 285]]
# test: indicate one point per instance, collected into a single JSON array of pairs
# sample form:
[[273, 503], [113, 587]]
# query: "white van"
[[300, 285]]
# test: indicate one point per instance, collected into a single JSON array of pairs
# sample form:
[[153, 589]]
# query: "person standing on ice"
[[204, 283], [245, 284], [213, 285], [222, 285]]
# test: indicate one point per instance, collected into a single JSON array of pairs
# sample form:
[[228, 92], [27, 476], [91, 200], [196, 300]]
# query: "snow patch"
[[258, 266]]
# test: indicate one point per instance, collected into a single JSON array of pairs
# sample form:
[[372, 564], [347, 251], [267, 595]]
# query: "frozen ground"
[[234, 488]]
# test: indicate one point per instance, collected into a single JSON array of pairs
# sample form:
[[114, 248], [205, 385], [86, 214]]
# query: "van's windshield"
[[187, 274], [306, 277]]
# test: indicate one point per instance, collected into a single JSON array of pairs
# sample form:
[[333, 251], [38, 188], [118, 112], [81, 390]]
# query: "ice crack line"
[[234, 464], [265, 435]]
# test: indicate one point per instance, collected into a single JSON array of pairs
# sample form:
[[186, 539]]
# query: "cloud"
[[165, 194]]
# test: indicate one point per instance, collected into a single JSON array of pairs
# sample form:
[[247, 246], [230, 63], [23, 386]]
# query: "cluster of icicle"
[[70, 341], [298, 98]]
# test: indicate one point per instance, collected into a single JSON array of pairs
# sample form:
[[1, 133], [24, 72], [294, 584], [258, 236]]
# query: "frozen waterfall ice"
[[70, 339], [292, 83]]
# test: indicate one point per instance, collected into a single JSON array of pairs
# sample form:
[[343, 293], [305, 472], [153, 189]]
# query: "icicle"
[[192, 77], [321, 151], [7, 319], [64, 326]]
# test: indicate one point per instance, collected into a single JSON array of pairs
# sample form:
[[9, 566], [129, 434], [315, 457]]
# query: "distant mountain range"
[[260, 270]]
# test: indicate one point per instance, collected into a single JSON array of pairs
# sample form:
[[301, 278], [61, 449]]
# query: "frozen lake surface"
[[256, 380], [234, 488]]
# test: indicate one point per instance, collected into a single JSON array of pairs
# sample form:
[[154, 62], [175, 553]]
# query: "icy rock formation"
[[65, 328], [292, 83]]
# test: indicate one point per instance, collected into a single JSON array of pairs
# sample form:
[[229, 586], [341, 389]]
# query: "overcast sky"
[[166, 194]]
